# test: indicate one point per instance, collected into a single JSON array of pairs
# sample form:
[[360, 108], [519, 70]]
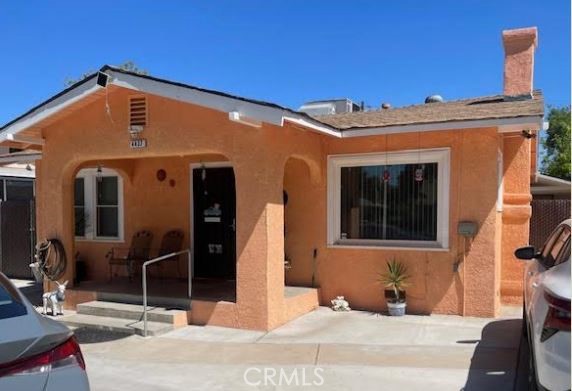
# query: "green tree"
[[126, 66], [556, 161]]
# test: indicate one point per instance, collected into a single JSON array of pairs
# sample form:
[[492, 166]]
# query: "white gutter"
[[20, 158], [503, 125], [17, 172], [316, 126]]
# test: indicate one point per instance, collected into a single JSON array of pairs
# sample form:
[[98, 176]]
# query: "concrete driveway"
[[321, 350]]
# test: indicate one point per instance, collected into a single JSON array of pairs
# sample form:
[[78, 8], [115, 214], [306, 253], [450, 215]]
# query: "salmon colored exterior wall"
[[464, 279], [435, 286]]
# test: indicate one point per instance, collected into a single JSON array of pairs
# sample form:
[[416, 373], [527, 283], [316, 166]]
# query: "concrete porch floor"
[[202, 289]]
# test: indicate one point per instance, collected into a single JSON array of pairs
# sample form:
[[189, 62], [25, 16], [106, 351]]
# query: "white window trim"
[[89, 176], [440, 156]]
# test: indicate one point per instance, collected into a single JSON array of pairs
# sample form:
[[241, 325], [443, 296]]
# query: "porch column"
[[260, 243], [54, 206]]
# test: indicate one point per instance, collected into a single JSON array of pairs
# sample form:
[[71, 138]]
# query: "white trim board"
[[441, 156]]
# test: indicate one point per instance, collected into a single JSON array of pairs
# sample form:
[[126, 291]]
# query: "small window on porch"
[[79, 207], [98, 206], [107, 207]]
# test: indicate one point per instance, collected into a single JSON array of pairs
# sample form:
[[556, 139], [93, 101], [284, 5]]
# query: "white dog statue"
[[340, 304], [55, 299]]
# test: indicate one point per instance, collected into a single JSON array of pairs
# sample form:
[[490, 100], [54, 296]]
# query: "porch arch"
[[301, 220]]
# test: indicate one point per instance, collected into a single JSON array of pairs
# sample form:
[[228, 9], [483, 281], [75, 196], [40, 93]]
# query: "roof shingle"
[[480, 108]]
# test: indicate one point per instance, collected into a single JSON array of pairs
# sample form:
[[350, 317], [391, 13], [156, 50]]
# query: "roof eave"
[[260, 111], [504, 125]]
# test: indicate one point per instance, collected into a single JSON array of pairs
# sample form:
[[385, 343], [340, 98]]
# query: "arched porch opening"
[[301, 221], [151, 206]]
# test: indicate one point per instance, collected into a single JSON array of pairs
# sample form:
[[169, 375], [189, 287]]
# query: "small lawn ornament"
[[340, 304], [55, 299]]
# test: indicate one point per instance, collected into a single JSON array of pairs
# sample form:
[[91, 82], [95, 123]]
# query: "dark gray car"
[[36, 353]]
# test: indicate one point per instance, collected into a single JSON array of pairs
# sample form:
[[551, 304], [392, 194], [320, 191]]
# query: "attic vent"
[[137, 111]]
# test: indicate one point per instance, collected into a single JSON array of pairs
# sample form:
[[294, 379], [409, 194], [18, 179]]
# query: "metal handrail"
[[144, 276]]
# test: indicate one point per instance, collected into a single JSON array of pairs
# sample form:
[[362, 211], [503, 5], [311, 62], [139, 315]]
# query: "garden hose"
[[51, 260]]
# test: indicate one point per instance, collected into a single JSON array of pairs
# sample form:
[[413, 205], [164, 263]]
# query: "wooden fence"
[[546, 215]]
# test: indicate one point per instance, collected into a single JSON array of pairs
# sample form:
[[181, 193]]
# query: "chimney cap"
[[520, 35]]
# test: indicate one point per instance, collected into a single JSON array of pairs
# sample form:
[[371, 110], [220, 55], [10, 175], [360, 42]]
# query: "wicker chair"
[[172, 242], [138, 252]]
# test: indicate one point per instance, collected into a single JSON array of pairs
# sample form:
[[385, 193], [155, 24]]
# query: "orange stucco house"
[[269, 199]]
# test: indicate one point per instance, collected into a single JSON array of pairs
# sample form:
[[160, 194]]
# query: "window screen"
[[386, 202], [79, 207], [107, 207]]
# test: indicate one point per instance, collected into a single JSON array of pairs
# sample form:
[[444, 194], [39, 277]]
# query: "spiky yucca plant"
[[395, 278]]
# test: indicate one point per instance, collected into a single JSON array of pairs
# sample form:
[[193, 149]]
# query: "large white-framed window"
[[397, 200], [98, 205]]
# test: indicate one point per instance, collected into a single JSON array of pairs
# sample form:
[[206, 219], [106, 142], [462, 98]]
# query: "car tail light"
[[62, 355], [557, 318]]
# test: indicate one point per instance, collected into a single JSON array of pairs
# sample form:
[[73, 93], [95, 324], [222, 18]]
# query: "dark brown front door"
[[214, 218]]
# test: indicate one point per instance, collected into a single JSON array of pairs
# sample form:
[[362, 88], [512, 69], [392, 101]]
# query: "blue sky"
[[285, 52]]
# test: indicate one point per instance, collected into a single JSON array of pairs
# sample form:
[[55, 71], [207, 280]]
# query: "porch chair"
[[172, 242], [138, 252]]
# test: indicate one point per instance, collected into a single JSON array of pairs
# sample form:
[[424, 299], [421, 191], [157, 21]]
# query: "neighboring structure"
[[545, 187], [253, 184], [17, 229]]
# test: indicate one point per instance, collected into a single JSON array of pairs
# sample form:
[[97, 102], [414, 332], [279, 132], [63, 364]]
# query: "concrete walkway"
[[321, 350]]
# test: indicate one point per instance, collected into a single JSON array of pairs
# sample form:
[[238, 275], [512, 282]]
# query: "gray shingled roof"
[[488, 107]]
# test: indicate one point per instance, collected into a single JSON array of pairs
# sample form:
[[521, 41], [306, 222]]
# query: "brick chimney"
[[519, 46]]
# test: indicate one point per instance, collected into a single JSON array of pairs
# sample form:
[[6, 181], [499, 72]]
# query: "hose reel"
[[51, 260]]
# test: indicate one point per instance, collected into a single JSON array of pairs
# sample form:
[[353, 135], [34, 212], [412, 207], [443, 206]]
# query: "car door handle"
[[535, 285]]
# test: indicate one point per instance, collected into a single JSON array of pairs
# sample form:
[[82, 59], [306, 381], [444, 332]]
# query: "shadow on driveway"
[[31, 289], [497, 361], [86, 335]]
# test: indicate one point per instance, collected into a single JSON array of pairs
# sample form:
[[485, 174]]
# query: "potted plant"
[[396, 280]]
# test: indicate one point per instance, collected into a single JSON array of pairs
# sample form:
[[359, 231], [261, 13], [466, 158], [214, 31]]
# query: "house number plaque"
[[138, 143]]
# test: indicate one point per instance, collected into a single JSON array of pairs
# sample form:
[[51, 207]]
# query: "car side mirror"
[[527, 252]]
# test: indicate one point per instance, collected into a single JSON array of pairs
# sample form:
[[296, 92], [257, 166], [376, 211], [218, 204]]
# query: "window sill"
[[386, 247]]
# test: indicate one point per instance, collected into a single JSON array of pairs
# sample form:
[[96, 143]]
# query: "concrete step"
[[132, 312], [118, 325], [160, 301]]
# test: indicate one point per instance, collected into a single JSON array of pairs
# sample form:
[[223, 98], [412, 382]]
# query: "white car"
[[36, 353], [546, 312]]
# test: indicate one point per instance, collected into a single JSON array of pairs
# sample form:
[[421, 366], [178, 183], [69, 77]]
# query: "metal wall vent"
[[137, 111]]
